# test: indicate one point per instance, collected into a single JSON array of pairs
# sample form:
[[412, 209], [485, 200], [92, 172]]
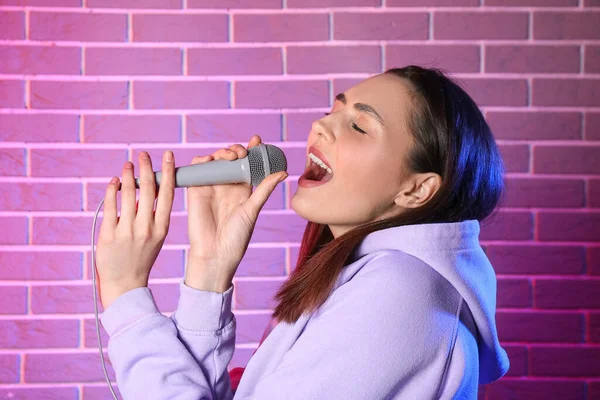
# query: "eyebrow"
[[362, 108]]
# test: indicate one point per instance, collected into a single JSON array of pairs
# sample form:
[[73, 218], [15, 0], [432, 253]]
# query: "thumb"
[[262, 192]]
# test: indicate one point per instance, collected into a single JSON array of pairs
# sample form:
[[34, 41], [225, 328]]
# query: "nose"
[[321, 128]]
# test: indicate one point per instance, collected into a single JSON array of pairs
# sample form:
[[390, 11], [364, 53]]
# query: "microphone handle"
[[218, 172]]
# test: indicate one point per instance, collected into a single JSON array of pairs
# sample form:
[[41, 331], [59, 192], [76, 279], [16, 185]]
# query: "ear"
[[418, 190]]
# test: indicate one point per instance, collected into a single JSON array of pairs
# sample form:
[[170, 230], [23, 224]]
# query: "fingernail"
[[168, 156], [114, 179], [283, 178], [129, 165], [144, 155]]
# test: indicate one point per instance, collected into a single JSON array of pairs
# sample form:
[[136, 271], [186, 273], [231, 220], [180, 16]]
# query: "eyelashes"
[[354, 126]]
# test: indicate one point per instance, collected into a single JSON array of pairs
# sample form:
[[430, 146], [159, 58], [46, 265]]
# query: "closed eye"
[[354, 126]]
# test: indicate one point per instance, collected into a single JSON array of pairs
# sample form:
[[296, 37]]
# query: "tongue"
[[315, 172]]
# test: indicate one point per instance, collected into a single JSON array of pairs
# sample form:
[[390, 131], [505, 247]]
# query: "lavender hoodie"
[[410, 317]]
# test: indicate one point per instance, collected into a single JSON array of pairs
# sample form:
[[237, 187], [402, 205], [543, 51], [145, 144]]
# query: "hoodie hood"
[[453, 250]]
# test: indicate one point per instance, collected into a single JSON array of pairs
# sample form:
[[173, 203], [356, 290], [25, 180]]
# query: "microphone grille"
[[275, 158]]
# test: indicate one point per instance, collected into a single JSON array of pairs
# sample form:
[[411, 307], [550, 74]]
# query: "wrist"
[[109, 293]]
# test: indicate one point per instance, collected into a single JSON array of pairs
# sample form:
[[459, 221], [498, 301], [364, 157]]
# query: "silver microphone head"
[[265, 159]]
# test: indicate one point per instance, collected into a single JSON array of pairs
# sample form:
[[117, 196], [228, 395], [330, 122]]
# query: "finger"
[[260, 195], [225, 154], [239, 149], [254, 141], [147, 189], [166, 192], [128, 194], [109, 218], [200, 159]]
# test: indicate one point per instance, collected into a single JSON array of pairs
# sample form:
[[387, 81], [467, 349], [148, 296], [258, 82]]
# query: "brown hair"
[[453, 140]]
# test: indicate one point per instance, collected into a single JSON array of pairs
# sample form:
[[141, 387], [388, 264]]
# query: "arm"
[[151, 362]]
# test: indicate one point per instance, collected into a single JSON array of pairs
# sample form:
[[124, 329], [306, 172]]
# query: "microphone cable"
[[94, 271]]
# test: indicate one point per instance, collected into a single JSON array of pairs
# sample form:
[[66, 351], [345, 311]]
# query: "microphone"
[[262, 160]]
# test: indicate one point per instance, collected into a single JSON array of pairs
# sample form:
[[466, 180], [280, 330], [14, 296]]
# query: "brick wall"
[[84, 87]]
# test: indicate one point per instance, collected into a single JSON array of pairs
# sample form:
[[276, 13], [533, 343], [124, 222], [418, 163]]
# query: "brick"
[[566, 25], [380, 26], [565, 92], [535, 125], [181, 95], [593, 260], [39, 334], [593, 389], [508, 225], [558, 226], [228, 128], [101, 392], [593, 327], [434, 3], [61, 367], [39, 393], [592, 59], [532, 58], [63, 230], [298, 125], [333, 59], [294, 252], [235, 61], [518, 326], [533, 3], [535, 192], [341, 85], [490, 25], [256, 294], [250, 328], [38, 265], [567, 293], [132, 128], [592, 126], [9, 368], [518, 360], [593, 199], [13, 25], [23, 196], [78, 27], [13, 299], [452, 58], [180, 28], [535, 389], [262, 262], [281, 94], [90, 339], [77, 163], [514, 293], [39, 128], [12, 94], [14, 230], [136, 61], [44, 3], [78, 95], [496, 92], [134, 3], [12, 162], [34, 60], [566, 159], [535, 259], [565, 361], [280, 27], [234, 4], [63, 299]]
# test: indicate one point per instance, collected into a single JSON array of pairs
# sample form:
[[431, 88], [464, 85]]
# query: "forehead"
[[388, 94]]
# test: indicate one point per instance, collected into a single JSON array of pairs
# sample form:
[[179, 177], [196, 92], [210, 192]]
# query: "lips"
[[317, 152]]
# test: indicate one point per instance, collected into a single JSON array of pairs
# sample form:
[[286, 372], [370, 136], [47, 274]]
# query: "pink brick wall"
[[88, 84]]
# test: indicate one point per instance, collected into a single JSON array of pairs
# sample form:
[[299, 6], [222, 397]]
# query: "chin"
[[308, 210]]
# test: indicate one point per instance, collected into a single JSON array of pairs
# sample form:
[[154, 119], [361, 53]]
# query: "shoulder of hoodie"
[[396, 277]]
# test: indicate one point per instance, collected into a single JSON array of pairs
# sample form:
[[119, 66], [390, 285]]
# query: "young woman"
[[392, 296]]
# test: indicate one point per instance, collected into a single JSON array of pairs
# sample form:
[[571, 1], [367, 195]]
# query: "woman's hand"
[[128, 245], [221, 219]]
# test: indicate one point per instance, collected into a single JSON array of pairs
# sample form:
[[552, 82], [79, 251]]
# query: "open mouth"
[[315, 172]]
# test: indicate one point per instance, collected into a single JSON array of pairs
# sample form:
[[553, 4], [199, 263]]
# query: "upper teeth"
[[320, 163]]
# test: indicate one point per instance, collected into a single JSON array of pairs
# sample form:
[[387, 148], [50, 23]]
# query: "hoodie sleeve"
[[384, 333], [151, 355]]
